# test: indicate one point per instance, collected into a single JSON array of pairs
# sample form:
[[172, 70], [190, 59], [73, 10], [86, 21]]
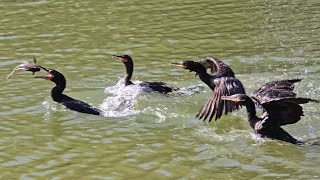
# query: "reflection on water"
[[152, 135]]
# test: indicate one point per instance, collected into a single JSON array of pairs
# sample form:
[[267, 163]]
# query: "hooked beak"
[[228, 98], [47, 77], [180, 65], [119, 58]]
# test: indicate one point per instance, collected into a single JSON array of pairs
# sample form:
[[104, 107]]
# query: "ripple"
[[143, 134], [20, 160]]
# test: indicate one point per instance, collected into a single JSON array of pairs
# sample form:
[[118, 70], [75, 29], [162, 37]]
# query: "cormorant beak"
[[119, 58], [43, 68], [180, 65], [228, 98], [47, 77]]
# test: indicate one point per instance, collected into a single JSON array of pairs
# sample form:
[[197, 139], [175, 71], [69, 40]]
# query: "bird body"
[[222, 83], [70, 103], [76, 105], [155, 86], [280, 104]]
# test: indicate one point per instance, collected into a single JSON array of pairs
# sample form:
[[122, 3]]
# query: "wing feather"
[[285, 111], [275, 90], [280, 102], [217, 67], [215, 106]]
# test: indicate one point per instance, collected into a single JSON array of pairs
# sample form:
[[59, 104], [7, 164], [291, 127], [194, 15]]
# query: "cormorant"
[[156, 86], [222, 83], [280, 104], [57, 96]]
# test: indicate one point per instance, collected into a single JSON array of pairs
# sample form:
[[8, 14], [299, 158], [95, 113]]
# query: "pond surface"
[[149, 135]]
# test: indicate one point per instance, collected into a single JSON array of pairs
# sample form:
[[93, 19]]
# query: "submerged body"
[[70, 103], [155, 86], [281, 106], [222, 83]]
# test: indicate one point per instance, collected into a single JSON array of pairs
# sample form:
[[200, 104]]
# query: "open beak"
[[180, 65], [230, 98], [119, 58], [47, 77]]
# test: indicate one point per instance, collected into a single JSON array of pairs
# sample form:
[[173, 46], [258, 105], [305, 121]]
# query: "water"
[[150, 135]]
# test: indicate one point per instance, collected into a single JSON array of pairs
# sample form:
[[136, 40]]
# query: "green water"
[[153, 136]]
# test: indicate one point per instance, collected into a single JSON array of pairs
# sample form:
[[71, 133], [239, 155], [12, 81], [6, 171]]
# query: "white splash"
[[210, 134], [190, 90], [121, 100]]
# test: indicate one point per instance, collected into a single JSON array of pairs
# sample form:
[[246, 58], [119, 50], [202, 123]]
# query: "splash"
[[121, 100], [159, 115], [49, 106], [210, 134], [190, 90]]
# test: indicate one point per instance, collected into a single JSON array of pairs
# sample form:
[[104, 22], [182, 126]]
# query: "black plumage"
[[70, 103], [217, 66], [222, 83], [155, 86], [280, 104]]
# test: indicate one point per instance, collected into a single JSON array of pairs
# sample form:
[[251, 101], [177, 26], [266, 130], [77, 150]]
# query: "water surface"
[[149, 135]]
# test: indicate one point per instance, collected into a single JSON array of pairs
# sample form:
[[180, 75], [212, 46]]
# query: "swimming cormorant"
[[222, 83], [57, 96], [156, 86], [280, 104]]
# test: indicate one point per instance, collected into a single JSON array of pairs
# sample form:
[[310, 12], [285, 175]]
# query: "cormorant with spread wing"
[[222, 83], [281, 107]]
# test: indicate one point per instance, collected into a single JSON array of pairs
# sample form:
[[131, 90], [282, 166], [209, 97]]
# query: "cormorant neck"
[[56, 92], [206, 78], [251, 111], [129, 72]]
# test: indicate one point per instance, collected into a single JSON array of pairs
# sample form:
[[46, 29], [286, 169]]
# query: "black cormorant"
[[222, 83], [156, 86], [280, 104], [57, 96]]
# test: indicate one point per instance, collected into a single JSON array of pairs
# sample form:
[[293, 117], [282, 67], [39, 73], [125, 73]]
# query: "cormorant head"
[[191, 65], [238, 98], [53, 76]]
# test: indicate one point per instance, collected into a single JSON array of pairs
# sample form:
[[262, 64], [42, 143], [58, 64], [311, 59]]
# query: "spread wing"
[[224, 86], [275, 90], [282, 111], [217, 67], [280, 102]]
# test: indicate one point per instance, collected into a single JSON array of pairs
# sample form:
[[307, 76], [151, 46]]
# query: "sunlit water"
[[150, 135]]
